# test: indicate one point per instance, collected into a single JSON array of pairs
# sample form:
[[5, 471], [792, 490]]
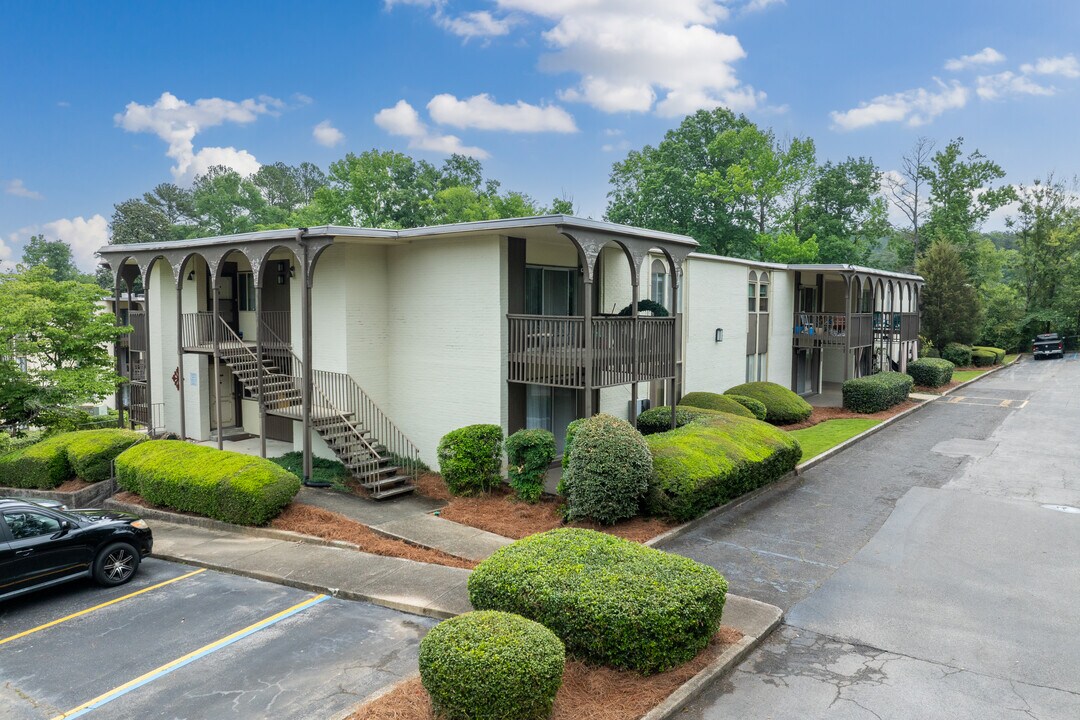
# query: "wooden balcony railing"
[[137, 336], [550, 350], [815, 330], [861, 333], [198, 330], [276, 327], [909, 326]]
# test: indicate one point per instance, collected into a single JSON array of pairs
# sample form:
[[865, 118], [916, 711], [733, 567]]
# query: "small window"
[[658, 288], [246, 285], [31, 524], [763, 296], [751, 297]]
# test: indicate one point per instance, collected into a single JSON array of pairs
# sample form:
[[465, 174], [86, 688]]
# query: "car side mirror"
[[65, 527]]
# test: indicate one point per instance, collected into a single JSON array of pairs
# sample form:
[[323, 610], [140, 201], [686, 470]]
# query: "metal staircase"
[[373, 449]]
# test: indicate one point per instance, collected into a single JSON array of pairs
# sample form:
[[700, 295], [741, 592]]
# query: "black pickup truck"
[[1048, 345]]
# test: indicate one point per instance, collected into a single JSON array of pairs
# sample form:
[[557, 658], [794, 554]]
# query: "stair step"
[[399, 490], [387, 469], [387, 482]]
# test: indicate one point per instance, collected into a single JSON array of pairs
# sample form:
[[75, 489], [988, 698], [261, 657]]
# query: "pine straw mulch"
[[587, 692], [940, 390], [500, 512], [821, 414], [311, 520], [72, 485]]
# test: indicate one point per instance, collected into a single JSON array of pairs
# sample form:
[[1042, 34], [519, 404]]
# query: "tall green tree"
[[846, 211], [53, 254], [53, 333], [950, 303], [137, 221]]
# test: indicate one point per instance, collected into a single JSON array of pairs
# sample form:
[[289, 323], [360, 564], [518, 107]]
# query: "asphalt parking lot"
[[181, 642]]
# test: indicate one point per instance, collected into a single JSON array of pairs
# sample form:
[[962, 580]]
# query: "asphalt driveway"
[[929, 572], [180, 642]]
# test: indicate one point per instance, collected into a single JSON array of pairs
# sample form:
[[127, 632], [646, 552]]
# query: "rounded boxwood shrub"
[[715, 401], [931, 372], [982, 358], [612, 601], [754, 406], [713, 460], [490, 665], [875, 393], [608, 472], [568, 443], [998, 353], [86, 454], [782, 406], [528, 454], [218, 484], [470, 458], [659, 419], [959, 355]]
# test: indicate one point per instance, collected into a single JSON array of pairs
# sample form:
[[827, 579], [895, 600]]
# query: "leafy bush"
[[782, 406], [612, 601], [490, 665], [998, 353], [659, 419], [529, 453], [218, 484], [470, 458], [608, 472], [713, 460], [715, 401], [876, 392], [982, 358], [11, 443], [931, 372], [959, 355], [571, 429], [91, 452], [756, 407], [87, 454]]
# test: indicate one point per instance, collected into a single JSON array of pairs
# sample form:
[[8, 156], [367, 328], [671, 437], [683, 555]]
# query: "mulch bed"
[[936, 390], [500, 512], [311, 520], [587, 692], [72, 485], [821, 414]]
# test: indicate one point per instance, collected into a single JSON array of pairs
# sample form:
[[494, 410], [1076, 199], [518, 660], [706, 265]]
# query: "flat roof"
[[567, 222], [857, 269]]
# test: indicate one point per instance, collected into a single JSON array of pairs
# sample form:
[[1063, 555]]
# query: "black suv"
[[1048, 345], [42, 546]]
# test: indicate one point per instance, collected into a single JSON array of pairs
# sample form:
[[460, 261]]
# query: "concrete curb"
[[269, 533], [91, 496]]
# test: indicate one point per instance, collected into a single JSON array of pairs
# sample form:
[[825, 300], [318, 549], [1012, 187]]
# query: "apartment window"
[[757, 336], [551, 409], [658, 288], [550, 290], [246, 286]]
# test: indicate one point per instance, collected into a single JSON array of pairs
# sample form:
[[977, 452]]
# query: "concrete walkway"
[[408, 518], [418, 588]]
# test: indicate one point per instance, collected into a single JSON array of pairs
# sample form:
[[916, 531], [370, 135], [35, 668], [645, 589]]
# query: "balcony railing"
[[549, 350], [137, 336], [198, 331], [276, 328], [815, 330]]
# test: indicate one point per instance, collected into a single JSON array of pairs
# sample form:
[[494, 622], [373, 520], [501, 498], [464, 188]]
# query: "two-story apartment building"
[[368, 345]]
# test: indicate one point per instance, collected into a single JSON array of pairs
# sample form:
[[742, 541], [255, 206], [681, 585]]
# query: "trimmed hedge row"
[[489, 665], [782, 406], [931, 372], [715, 401], [86, 454], [982, 358], [713, 460], [998, 353], [470, 458], [959, 355], [612, 601], [218, 484], [658, 419], [756, 407], [875, 393], [608, 471]]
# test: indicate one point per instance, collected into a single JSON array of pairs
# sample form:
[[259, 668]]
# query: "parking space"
[[180, 642]]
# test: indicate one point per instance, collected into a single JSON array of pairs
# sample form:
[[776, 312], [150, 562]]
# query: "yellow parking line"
[[31, 631], [1006, 403]]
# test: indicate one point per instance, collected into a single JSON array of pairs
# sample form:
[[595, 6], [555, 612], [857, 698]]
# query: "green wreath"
[[652, 306]]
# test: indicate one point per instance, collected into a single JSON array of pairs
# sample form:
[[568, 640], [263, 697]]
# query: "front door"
[[224, 385]]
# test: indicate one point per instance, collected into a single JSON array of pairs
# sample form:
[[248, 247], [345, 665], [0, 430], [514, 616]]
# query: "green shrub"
[[875, 393], [470, 458], [959, 355], [218, 484], [659, 419], [756, 407], [999, 354], [982, 358], [42, 466], [86, 454], [529, 453], [713, 460], [489, 665], [612, 601], [931, 372], [11, 443], [323, 470], [715, 401], [608, 472], [571, 428], [782, 406], [91, 452]]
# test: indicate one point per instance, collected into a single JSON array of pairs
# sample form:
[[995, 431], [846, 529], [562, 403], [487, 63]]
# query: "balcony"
[[550, 350], [850, 331], [198, 331]]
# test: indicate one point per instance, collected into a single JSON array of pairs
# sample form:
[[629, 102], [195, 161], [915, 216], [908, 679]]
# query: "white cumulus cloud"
[[758, 5], [327, 135], [483, 113], [18, 188], [477, 24], [84, 235], [403, 120], [986, 56], [913, 107], [1066, 66], [1004, 84], [177, 122]]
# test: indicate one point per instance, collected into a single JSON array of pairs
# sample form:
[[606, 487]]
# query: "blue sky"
[[101, 101]]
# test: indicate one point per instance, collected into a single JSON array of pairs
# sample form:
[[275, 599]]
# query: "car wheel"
[[116, 564]]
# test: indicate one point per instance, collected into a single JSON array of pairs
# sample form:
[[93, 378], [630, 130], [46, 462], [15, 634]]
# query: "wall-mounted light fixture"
[[719, 336], [292, 271], [191, 275]]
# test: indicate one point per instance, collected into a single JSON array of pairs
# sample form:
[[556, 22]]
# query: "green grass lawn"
[[965, 375], [1010, 358], [819, 438]]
